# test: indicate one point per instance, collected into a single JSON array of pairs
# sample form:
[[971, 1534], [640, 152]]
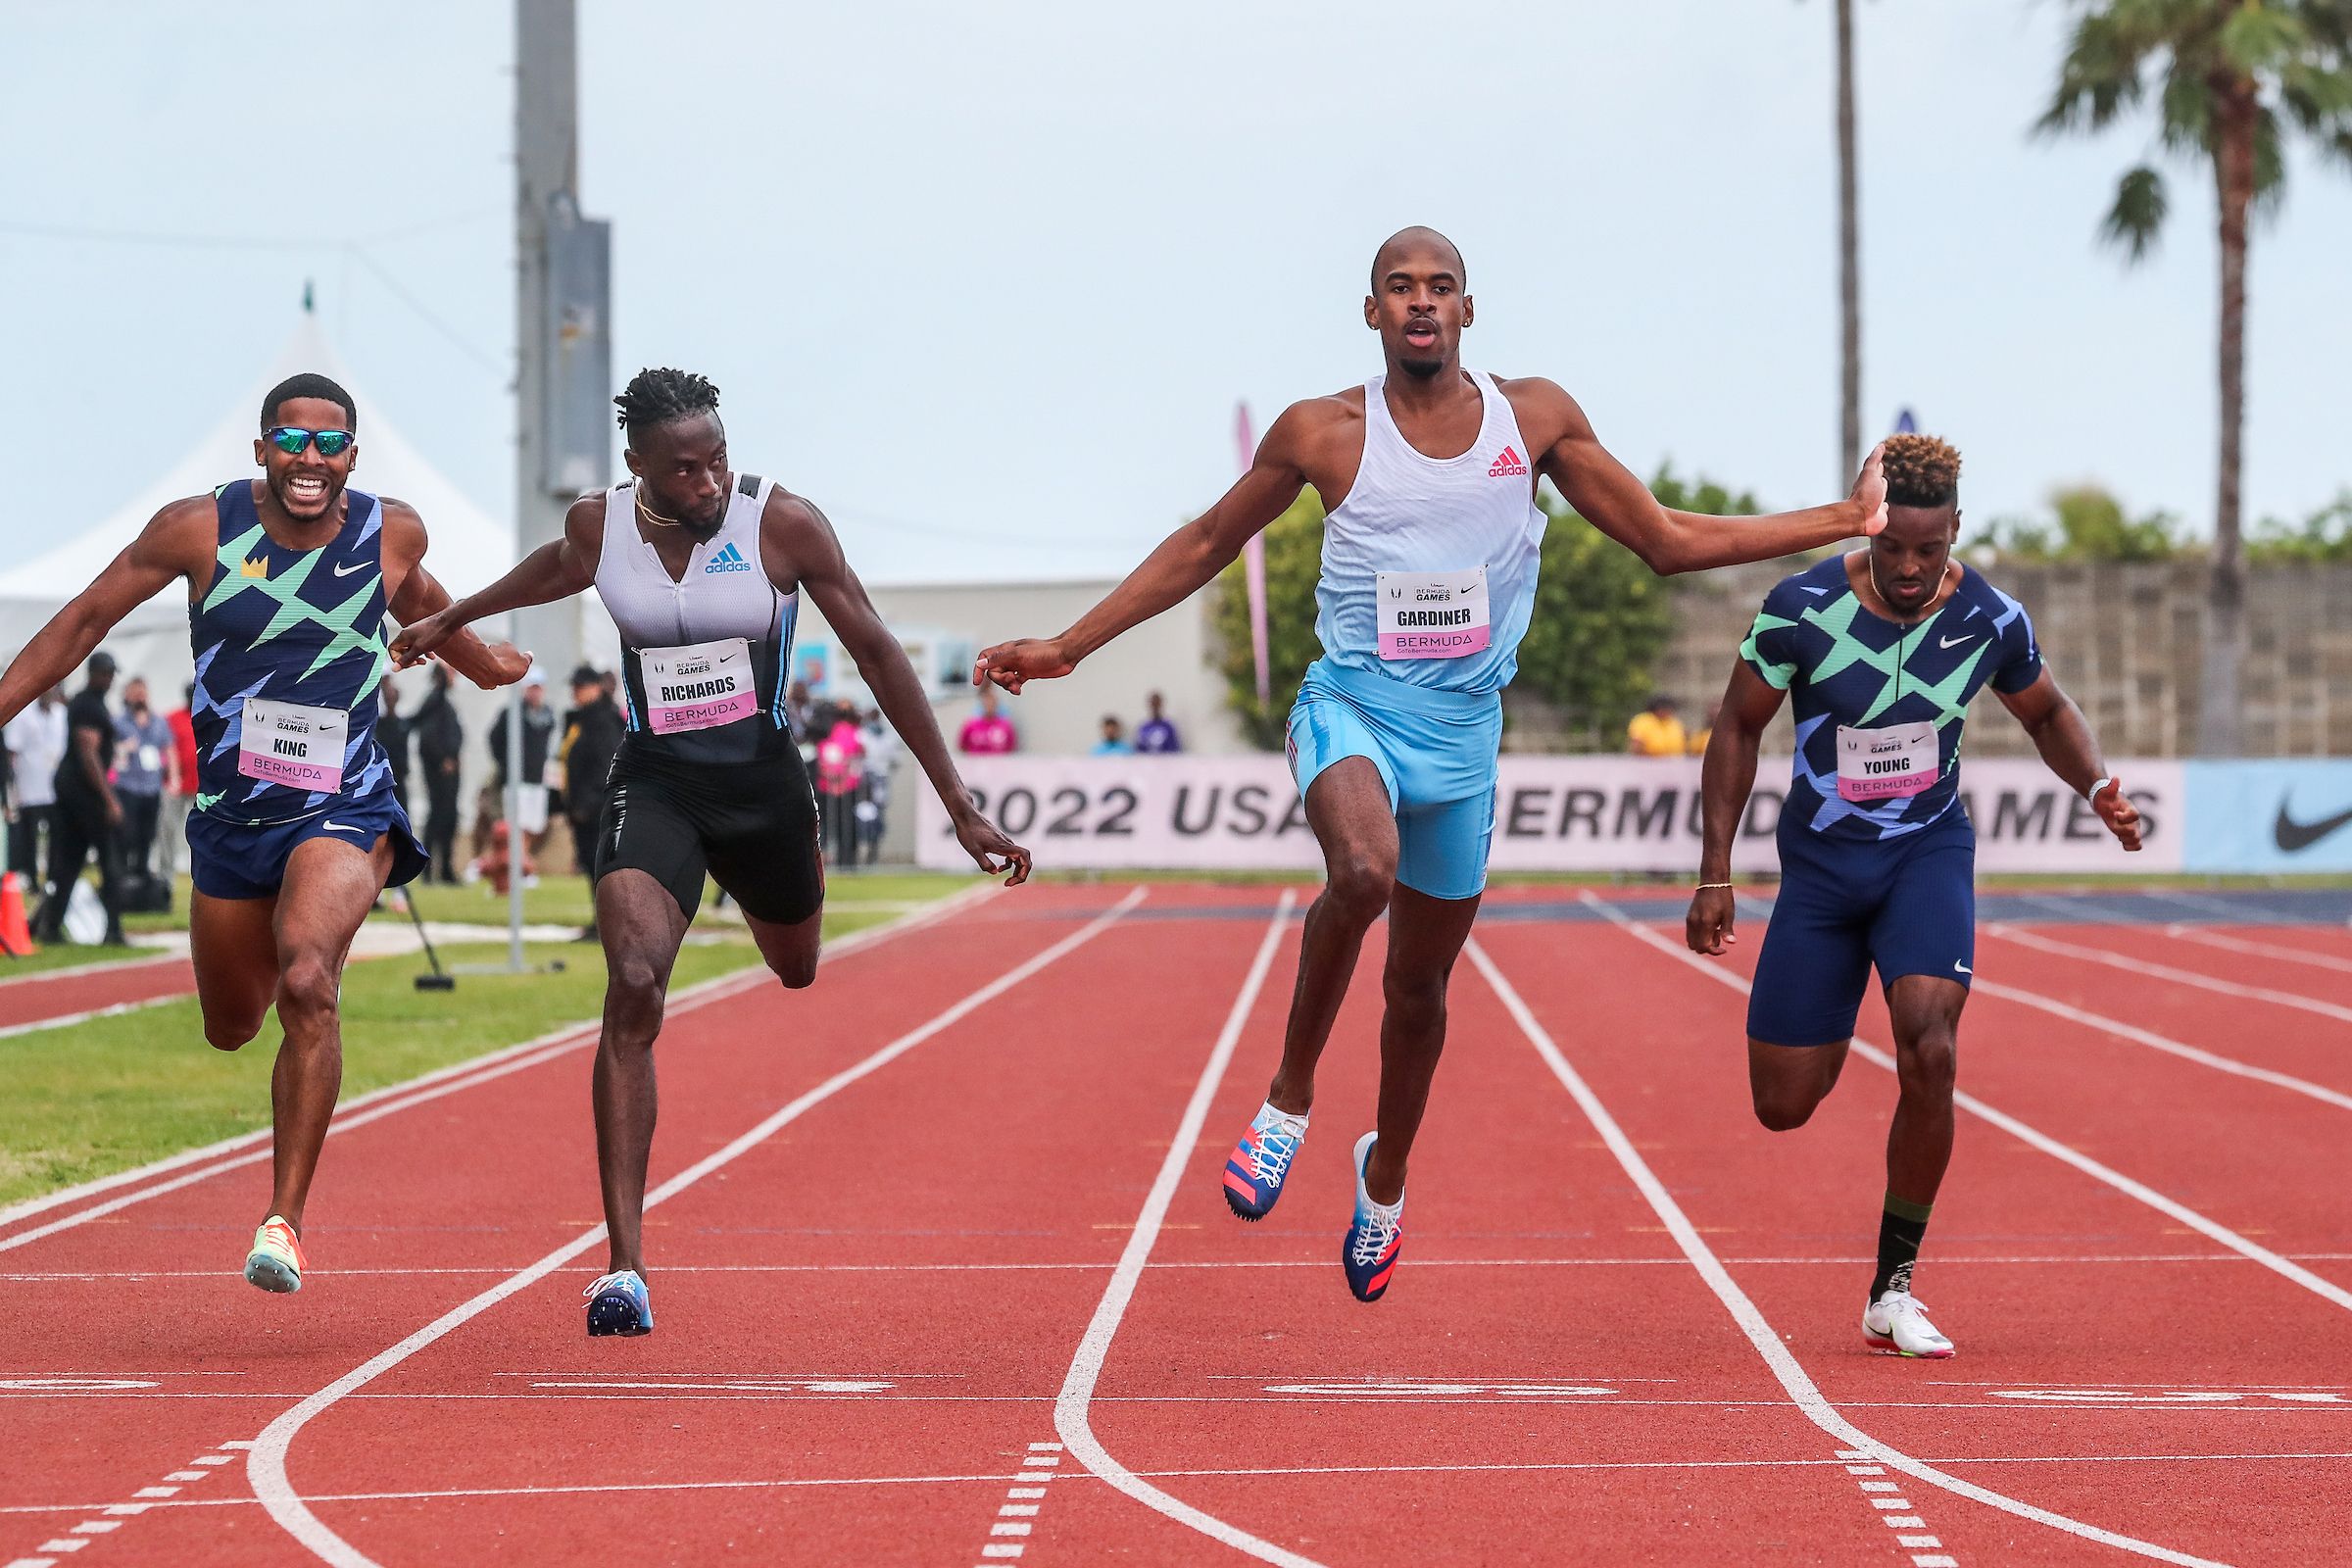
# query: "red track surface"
[[866, 1316], [31, 998]]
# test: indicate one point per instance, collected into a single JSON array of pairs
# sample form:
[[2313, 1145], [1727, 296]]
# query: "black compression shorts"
[[751, 826]]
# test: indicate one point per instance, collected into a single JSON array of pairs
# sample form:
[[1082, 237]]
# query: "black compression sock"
[[1900, 1229]]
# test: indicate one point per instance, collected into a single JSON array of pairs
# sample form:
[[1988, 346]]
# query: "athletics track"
[[943, 1276]]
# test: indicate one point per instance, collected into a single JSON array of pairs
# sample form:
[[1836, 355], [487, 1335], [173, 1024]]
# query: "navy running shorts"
[[1906, 905], [238, 861]]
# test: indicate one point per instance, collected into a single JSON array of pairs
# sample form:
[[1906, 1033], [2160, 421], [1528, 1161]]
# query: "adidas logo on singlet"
[[727, 560], [1508, 465]]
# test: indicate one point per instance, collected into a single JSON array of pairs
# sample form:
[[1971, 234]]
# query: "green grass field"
[[102, 1096]]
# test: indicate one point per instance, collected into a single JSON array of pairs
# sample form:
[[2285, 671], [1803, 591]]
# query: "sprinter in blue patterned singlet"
[[1430, 543], [1878, 654], [295, 830]]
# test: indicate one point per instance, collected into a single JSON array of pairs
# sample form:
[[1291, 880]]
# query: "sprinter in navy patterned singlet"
[[295, 830]]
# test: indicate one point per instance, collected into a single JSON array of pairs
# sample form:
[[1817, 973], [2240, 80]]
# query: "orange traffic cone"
[[15, 937]]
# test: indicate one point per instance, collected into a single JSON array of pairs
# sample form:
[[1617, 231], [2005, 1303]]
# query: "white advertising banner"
[[1551, 813]]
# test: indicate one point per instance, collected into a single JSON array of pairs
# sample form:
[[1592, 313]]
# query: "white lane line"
[[1760, 1333], [1943, 1261], [476, 1069], [103, 966], [1070, 1408], [2165, 971], [266, 1463], [2277, 1264], [2257, 950], [1017, 1515], [2170, 1047], [149, 1497], [65, 1020]]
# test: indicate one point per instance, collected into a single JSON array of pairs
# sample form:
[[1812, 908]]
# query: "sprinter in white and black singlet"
[[702, 569]]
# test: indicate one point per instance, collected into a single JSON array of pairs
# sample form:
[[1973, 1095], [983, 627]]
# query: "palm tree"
[[2231, 79]]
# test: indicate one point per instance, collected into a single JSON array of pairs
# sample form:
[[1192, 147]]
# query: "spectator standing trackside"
[[839, 781], [142, 759], [440, 743], [986, 733], [37, 744], [1114, 739], [89, 814], [538, 744], [592, 736], [882, 748], [1158, 737], [179, 788], [1656, 731]]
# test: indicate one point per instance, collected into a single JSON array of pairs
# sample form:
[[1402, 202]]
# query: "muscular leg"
[[789, 950], [1927, 1030], [1347, 808], [233, 945], [641, 925], [1425, 937], [1787, 1081], [328, 890]]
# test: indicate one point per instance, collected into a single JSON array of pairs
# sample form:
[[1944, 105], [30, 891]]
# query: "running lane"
[[415, 1212], [36, 997], [2113, 1366], [861, 1322], [1545, 1380]]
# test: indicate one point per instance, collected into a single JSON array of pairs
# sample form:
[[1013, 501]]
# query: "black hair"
[[310, 384], [658, 396]]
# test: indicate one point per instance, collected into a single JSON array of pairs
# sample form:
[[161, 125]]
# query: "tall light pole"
[[562, 327], [1849, 259]]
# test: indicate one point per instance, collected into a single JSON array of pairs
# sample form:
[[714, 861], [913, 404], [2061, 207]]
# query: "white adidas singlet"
[[704, 654], [1428, 564]]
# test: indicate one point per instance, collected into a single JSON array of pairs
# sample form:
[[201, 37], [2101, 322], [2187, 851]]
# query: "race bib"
[[1880, 764], [294, 745], [698, 687], [1433, 615]]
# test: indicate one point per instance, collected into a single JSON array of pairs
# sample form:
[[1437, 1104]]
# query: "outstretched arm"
[[1607, 493], [1179, 567], [1724, 780], [557, 569], [795, 541], [165, 550], [418, 596], [2063, 737]]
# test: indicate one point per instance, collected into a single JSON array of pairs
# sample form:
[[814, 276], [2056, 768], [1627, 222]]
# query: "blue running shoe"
[[1375, 1236], [1255, 1170], [619, 1304]]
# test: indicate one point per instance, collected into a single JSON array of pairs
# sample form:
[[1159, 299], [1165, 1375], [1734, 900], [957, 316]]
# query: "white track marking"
[[1070, 1414], [266, 1463], [1760, 1333], [2275, 1262], [2258, 949], [63, 1020], [76, 971], [2165, 971], [2157, 1041], [1017, 1515], [481, 1068]]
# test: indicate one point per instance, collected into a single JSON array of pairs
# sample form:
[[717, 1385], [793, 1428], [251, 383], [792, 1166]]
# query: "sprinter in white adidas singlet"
[[1429, 578], [703, 570]]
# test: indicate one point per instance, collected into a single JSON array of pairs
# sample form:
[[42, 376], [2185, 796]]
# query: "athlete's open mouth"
[[305, 490], [1421, 334]]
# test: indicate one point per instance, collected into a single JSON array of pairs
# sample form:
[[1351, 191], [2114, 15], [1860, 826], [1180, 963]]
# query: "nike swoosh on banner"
[[344, 571], [2292, 835]]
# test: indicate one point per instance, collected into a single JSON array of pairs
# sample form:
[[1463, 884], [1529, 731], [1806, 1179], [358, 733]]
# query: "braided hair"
[[656, 396]]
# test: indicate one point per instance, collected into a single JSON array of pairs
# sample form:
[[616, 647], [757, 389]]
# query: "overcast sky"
[[986, 281]]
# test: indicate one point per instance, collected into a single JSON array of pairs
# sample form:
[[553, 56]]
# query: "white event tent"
[[470, 547]]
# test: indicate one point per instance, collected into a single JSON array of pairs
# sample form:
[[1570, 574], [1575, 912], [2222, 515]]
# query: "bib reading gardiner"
[[1433, 615], [1879, 765], [294, 745], [701, 686]]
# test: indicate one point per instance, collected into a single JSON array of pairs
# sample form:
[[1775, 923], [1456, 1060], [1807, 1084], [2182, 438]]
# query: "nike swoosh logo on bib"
[[2292, 835]]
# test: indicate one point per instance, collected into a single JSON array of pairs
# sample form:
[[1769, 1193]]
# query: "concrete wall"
[[2124, 641]]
